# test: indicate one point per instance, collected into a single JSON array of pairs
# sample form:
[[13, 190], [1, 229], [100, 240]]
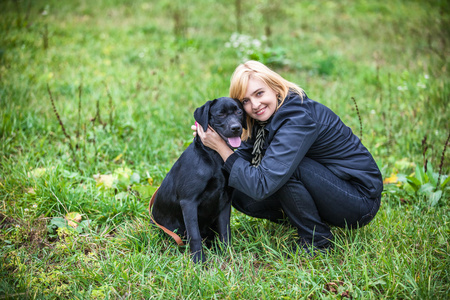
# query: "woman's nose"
[[255, 103]]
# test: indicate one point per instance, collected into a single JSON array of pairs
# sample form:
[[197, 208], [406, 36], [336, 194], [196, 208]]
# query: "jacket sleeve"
[[293, 137], [245, 151]]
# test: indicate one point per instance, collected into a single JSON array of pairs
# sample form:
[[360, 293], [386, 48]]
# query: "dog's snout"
[[236, 128]]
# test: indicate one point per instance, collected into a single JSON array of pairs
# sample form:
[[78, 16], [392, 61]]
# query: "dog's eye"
[[239, 112], [221, 115]]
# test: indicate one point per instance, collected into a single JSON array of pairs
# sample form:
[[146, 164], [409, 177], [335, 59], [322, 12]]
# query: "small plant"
[[74, 156], [45, 37], [424, 181], [238, 11], [70, 224], [125, 193], [271, 12], [78, 140], [179, 13], [110, 102], [442, 160], [248, 48], [359, 117]]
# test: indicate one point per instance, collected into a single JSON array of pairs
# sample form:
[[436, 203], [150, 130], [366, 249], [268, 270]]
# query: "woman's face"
[[260, 101]]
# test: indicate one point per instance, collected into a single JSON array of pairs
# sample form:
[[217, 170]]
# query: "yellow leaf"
[[38, 172], [117, 157], [104, 180], [392, 179], [73, 219]]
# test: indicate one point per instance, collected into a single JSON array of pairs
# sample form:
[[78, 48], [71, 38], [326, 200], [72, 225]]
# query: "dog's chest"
[[215, 196]]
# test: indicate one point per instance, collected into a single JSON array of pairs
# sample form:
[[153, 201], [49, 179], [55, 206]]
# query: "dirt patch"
[[6, 222]]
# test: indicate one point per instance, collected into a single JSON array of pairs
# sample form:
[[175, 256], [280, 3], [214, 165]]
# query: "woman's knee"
[[373, 207], [305, 166], [267, 209]]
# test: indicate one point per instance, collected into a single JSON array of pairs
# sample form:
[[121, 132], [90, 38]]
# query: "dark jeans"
[[313, 198]]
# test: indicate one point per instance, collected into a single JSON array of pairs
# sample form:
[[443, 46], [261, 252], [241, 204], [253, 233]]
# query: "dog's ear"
[[244, 122], [201, 114]]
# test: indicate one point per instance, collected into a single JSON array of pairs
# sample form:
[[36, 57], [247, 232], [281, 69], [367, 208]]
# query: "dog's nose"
[[236, 128]]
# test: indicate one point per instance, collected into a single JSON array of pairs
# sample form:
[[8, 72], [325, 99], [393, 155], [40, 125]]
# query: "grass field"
[[124, 78]]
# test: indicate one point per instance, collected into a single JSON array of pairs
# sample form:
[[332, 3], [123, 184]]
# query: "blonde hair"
[[254, 69]]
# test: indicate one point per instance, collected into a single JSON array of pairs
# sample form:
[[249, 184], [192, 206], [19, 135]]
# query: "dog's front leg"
[[190, 216], [223, 225]]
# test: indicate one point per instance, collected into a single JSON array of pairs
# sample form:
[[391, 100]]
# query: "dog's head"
[[226, 116]]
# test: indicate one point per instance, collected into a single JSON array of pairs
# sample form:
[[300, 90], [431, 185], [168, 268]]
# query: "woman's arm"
[[293, 138], [295, 133]]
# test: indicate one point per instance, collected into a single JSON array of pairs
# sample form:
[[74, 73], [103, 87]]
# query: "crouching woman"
[[297, 160]]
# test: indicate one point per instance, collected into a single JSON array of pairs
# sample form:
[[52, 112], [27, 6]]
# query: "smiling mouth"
[[261, 111]]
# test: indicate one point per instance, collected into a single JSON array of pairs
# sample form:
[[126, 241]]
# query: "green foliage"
[[429, 186], [125, 79], [248, 48], [426, 183], [60, 226]]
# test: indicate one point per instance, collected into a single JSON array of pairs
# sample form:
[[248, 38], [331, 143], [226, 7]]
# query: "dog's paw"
[[198, 257]]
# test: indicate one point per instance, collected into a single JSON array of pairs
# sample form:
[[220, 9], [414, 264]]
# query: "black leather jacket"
[[299, 129]]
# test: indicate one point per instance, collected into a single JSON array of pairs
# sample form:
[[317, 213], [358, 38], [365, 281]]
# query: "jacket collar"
[[289, 99]]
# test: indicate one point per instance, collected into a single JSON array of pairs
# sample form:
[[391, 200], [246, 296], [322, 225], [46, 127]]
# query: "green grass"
[[147, 65]]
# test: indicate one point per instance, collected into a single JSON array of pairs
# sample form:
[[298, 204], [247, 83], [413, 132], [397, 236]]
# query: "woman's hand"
[[212, 139], [194, 128]]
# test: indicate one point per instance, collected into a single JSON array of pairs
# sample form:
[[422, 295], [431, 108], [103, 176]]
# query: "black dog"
[[193, 198]]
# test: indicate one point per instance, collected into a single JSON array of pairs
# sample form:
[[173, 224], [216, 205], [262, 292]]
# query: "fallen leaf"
[[392, 179], [135, 178], [106, 181], [38, 172], [118, 157], [330, 286], [73, 219], [345, 294], [144, 191], [336, 288], [404, 201]]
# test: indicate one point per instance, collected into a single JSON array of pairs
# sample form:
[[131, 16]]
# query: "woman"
[[297, 159]]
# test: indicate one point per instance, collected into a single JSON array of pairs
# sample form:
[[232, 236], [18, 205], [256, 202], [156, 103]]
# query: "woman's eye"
[[245, 101], [259, 93]]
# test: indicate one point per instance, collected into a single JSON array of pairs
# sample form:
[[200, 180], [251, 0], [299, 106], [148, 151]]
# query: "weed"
[[424, 152], [69, 139], [45, 37], [238, 13], [248, 48], [359, 118], [271, 12], [442, 161]]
